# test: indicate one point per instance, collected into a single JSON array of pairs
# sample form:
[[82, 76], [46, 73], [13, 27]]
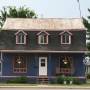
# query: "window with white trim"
[[43, 39], [65, 65], [65, 38], [19, 64], [21, 38]]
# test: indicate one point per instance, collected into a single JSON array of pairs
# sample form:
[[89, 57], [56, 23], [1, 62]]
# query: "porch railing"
[[63, 70]]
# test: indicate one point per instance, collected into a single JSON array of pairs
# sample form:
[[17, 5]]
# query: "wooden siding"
[[78, 41], [33, 62]]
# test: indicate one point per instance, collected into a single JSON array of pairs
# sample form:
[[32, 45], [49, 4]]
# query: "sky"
[[52, 8]]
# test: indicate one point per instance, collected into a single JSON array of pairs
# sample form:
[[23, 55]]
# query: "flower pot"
[[65, 82], [71, 82]]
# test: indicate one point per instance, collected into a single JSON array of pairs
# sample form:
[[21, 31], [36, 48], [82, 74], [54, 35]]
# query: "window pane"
[[67, 38], [20, 38], [42, 62], [45, 39], [63, 38], [20, 64], [65, 62], [41, 39]]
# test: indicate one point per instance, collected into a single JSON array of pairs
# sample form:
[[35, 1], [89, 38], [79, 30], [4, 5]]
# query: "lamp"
[[19, 60], [65, 60]]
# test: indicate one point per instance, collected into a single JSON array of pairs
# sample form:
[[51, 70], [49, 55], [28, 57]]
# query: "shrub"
[[88, 76], [68, 79], [77, 81], [21, 79], [60, 79]]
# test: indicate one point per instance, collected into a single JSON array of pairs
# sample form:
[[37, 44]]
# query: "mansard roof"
[[48, 24]]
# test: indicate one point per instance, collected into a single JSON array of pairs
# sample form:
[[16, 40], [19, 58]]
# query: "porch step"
[[43, 80]]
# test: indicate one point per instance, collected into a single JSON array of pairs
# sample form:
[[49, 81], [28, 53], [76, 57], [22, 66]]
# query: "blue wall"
[[33, 64], [79, 67]]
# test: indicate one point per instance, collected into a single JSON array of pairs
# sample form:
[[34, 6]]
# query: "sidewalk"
[[45, 86]]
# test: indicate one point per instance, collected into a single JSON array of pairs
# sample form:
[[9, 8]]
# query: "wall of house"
[[79, 67], [8, 41], [33, 64]]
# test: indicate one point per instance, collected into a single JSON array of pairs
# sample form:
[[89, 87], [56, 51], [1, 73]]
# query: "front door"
[[42, 66]]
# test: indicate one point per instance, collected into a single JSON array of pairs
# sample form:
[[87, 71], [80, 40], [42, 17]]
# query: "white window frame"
[[19, 70], [39, 39], [65, 37], [21, 37], [1, 68]]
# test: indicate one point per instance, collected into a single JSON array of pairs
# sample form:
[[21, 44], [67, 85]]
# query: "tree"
[[14, 12], [86, 22]]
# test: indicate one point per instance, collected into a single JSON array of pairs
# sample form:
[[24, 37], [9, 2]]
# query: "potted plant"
[[69, 80]]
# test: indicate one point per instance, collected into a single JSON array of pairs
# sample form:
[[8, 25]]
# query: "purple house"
[[42, 49]]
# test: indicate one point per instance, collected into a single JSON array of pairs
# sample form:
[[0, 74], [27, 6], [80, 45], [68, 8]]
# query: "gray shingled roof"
[[43, 23]]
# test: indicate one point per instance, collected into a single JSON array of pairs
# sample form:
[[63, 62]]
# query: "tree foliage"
[[14, 12], [86, 22]]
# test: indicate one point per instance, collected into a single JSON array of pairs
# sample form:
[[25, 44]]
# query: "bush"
[[60, 79], [88, 46], [77, 81], [88, 76], [68, 79], [21, 79]]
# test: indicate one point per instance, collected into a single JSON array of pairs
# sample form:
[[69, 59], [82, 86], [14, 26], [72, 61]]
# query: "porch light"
[[19, 60], [65, 61]]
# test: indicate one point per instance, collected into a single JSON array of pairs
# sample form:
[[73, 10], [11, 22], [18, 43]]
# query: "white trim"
[[65, 42], [42, 51], [64, 32], [1, 68], [39, 40], [21, 38], [42, 70], [20, 31], [43, 32]]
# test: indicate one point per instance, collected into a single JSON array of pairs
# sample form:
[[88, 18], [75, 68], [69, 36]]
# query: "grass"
[[84, 85], [4, 84]]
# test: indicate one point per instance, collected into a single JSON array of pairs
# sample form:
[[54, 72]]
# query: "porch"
[[28, 64]]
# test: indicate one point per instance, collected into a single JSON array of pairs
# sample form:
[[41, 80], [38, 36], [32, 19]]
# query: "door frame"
[[43, 57], [1, 68]]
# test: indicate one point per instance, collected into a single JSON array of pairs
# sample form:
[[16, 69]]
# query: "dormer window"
[[20, 37], [43, 37], [65, 37]]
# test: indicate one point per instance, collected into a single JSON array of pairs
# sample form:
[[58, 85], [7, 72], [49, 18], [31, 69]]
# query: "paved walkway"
[[46, 86], [39, 89]]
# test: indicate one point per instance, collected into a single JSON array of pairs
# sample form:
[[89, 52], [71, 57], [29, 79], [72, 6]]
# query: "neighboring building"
[[87, 63], [42, 48], [88, 59], [87, 37]]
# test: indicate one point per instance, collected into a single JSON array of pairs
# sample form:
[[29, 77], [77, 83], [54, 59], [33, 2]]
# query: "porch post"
[[1, 56]]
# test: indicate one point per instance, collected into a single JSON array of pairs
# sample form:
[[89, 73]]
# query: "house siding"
[[7, 41], [33, 64]]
